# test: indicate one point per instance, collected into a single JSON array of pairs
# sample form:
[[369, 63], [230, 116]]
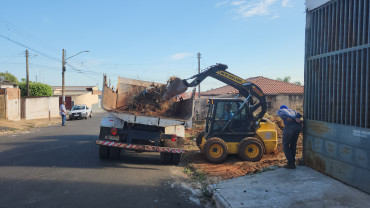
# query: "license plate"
[[115, 138], [75, 115]]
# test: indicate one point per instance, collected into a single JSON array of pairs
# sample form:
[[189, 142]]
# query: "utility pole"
[[198, 73], [63, 71], [28, 78]]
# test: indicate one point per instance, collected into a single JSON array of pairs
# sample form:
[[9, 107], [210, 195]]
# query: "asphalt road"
[[59, 167]]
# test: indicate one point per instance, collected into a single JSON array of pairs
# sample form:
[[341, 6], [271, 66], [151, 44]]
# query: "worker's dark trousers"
[[290, 138]]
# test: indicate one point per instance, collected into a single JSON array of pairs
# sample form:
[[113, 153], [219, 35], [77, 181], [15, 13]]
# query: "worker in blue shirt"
[[228, 114], [293, 127]]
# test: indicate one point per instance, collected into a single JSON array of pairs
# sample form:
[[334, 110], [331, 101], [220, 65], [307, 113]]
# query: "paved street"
[[59, 167]]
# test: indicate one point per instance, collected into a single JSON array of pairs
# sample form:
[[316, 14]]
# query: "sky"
[[151, 40]]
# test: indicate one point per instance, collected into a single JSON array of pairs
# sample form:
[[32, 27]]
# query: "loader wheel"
[[199, 139], [215, 150], [103, 152], [166, 158], [250, 149], [114, 153]]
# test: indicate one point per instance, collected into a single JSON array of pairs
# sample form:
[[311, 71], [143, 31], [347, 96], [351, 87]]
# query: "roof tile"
[[268, 86]]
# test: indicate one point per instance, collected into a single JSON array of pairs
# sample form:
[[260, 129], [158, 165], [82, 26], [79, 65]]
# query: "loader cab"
[[225, 117]]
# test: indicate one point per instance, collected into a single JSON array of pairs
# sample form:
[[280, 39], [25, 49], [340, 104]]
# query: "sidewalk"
[[7, 126], [302, 187]]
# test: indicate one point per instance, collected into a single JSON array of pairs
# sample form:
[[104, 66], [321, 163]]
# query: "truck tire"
[[215, 150], [103, 152], [114, 153], [176, 158], [166, 158], [199, 139], [250, 149]]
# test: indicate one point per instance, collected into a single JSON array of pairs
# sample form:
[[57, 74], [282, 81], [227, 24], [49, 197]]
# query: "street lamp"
[[64, 69]]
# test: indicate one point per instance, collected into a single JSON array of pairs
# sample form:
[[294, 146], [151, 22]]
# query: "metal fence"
[[337, 91], [338, 62]]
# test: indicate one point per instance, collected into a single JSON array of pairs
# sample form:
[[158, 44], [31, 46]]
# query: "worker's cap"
[[284, 107]]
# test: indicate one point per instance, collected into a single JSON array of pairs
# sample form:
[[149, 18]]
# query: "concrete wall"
[[35, 108], [88, 99], [292, 101], [200, 109], [13, 104]]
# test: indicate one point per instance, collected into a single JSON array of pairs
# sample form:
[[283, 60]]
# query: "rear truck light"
[[173, 137], [113, 131]]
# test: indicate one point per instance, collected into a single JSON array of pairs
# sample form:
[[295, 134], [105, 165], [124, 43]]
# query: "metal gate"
[[337, 91]]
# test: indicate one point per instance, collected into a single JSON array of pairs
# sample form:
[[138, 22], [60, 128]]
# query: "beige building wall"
[[292, 101], [86, 99], [35, 108]]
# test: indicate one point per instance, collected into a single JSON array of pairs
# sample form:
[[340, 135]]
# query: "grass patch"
[[198, 176]]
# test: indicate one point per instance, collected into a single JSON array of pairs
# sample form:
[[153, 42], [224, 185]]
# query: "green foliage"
[[287, 80], [10, 77], [36, 89]]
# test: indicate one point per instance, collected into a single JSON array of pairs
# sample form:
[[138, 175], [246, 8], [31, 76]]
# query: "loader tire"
[[166, 158], [215, 150], [250, 149], [199, 139], [114, 153], [103, 152]]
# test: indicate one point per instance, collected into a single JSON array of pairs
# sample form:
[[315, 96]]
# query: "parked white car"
[[79, 112]]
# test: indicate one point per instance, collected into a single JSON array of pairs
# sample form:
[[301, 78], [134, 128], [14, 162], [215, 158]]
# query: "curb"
[[217, 197]]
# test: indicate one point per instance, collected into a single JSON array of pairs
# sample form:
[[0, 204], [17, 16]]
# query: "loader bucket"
[[174, 87]]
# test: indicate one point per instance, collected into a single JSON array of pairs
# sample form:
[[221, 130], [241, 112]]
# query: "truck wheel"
[[215, 150], [250, 149], [199, 139], [103, 152], [166, 158], [176, 158], [114, 153]]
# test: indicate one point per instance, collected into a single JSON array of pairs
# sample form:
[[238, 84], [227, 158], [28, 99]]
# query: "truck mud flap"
[[144, 148]]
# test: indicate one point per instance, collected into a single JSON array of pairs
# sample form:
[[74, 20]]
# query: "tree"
[[36, 89], [297, 83], [10, 77], [287, 80]]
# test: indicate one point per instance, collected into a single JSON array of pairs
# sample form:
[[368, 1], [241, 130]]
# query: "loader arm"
[[244, 87]]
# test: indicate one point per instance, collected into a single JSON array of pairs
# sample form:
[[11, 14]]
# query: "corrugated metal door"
[[337, 92]]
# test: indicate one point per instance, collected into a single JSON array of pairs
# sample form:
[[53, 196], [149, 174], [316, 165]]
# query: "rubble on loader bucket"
[[175, 87]]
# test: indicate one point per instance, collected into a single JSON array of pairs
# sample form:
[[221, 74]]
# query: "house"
[[7, 84], [79, 95], [277, 93]]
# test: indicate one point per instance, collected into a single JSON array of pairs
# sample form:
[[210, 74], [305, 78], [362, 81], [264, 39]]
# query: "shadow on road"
[[74, 151]]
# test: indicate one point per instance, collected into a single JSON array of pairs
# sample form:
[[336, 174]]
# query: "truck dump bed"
[[114, 101]]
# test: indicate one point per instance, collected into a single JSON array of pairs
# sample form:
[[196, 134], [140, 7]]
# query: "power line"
[[23, 34], [29, 48]]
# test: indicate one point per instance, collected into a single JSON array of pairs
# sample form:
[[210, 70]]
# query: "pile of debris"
[[149, 101]]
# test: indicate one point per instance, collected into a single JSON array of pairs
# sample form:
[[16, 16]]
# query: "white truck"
[[141, 133]]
